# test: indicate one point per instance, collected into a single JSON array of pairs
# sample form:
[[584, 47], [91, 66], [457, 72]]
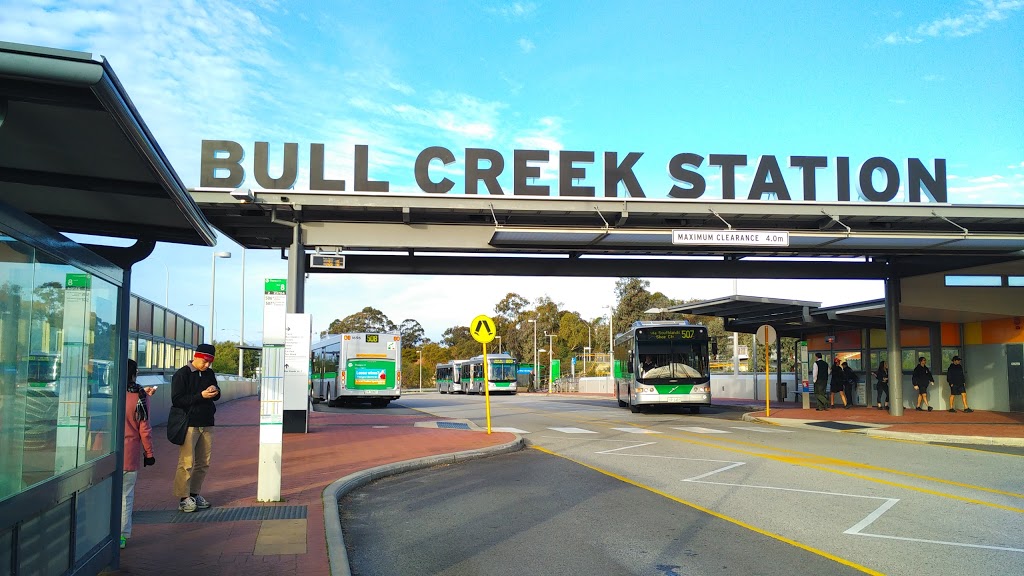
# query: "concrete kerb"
[[880, 432], [336, 552]]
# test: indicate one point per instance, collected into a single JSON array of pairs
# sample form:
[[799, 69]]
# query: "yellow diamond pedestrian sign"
[[482, 329]]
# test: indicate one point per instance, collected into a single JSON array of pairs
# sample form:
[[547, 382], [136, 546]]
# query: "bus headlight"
[[701, 389]]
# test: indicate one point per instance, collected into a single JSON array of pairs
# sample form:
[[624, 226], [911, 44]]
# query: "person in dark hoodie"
[[194, 389], [957, 384]]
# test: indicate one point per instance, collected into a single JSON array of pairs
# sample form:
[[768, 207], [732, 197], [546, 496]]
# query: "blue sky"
[[935, 79]]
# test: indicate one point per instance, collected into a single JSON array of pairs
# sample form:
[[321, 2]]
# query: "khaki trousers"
[[193, 461]]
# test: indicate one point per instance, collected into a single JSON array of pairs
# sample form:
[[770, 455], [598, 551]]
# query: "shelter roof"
[[76, 154], [397, 228]]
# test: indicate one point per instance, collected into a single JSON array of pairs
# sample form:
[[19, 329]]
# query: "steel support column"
[[892, 343]]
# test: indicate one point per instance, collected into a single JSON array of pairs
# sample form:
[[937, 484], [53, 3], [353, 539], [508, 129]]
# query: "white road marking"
[[571, 430], [626, 448], [700, 430], [508, 429], [766, 430], [637, 430], [855, 530]]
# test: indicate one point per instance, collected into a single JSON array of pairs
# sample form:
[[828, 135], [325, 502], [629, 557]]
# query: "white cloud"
[[516, 10], [526, 45], [975, 17]]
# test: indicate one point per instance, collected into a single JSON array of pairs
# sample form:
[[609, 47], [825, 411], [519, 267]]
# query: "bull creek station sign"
[[221, 167]]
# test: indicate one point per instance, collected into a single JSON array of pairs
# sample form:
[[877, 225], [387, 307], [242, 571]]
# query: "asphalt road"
[[878, 506]]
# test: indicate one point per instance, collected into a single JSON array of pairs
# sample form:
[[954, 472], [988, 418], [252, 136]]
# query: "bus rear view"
[[667, 363]]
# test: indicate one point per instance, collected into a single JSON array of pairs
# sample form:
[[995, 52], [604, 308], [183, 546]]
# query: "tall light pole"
[[611, 345], [241, 321], [420, 362], [213, 286], [551, 364], [498, 338], [536, 374], [585, 352]]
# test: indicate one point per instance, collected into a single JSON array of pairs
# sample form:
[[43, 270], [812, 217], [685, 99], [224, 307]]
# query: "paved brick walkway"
[[336, 445]]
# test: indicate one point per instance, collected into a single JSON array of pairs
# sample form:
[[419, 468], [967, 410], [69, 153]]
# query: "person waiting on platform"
[[921, 378], [837, 384], [957, 384]]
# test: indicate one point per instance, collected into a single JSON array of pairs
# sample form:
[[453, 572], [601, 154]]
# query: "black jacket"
[[922, 377], [187, 386], [955, 374]]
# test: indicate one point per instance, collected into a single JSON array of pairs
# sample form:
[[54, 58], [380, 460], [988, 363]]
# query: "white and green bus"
[[448, 377], [502, 372], [666, 363], [357, 367]]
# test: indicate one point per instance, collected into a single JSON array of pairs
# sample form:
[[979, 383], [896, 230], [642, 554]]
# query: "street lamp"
[[551, 364], [586, 350], [498, 338], [213, 286], [535, 373], [241, 321], [611, 344], [420, 362]]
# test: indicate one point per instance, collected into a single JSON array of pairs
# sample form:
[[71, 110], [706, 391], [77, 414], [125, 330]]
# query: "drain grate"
[[220, 515], [458, 425], [838, 425]]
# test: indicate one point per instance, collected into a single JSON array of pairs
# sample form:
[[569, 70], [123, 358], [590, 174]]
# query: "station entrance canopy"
[[388, 233]]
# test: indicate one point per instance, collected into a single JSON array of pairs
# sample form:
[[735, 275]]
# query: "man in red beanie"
[[194, 389]]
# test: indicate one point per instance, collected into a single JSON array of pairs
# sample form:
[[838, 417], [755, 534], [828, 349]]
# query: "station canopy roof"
[[76, 155], [529, 235]]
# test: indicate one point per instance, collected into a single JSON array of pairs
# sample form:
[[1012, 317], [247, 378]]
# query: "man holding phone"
[[194, 389]]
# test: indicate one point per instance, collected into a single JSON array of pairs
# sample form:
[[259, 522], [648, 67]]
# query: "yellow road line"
[[718, 515], [808, 459]]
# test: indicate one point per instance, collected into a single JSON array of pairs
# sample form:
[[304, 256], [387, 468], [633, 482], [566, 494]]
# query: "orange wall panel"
[[1002, 331], [914, 336], [950, 334]]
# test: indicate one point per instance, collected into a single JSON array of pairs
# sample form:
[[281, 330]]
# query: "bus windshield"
[[672, 361], [502, 371]]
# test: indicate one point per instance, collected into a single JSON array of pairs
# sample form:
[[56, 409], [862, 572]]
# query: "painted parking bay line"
[[510, 429], [637, 430], [765, 430], [571, 430], [700, 430]]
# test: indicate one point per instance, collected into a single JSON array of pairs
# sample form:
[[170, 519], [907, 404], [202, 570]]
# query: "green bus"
[[666, 363], [357, 367]]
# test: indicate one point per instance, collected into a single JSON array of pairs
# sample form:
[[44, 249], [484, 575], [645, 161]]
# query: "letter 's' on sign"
[[878, 179]]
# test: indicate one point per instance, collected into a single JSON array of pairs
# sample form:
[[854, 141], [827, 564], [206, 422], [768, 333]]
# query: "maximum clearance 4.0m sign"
[[221, 167]]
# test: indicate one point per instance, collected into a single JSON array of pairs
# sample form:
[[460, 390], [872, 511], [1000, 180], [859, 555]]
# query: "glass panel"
[[158, 321], [92, 516], [947, 359], [169, 325], [133, 344], [133, 313], [910, 357], [143, 358], [179, 329], [156, 354], [978, 280], [44, 542], [58, 346], [145, 317], [1015, 281]]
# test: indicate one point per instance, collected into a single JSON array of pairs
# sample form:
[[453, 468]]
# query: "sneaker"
[[124, 541], [929, 408], [201, 503], [187, 505], [952, 410], [968, 410], [918, 408]]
